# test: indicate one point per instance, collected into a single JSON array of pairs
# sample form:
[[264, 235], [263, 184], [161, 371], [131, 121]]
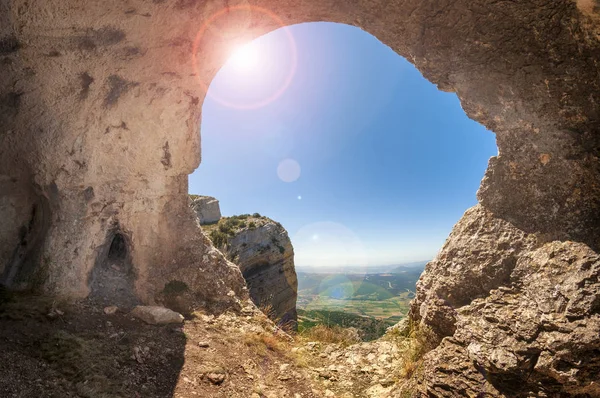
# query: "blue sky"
[[328, 131]]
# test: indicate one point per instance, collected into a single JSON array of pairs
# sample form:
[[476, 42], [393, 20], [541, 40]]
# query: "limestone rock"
[[537, 334], [263, 251], [156, 315], [207, 209], [479, 256]]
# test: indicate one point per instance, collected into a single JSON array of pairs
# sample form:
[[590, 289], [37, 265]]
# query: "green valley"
[[370, 301]]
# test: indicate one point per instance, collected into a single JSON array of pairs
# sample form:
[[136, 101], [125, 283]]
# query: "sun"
[[245, 58]]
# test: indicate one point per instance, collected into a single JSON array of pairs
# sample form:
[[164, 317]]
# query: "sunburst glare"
[[245, 58]]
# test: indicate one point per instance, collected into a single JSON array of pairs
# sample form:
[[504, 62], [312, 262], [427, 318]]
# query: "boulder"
[[155, 315], [207, 209]]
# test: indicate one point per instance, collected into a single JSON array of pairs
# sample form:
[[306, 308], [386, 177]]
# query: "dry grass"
[[331, 334], [414, 344], [263, 343]]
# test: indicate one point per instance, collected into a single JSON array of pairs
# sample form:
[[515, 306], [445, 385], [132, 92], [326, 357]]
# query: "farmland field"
[[369, 301]]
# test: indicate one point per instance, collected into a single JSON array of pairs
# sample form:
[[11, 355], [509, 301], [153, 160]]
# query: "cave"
[[120, 143], [113, 276], [118, 248]]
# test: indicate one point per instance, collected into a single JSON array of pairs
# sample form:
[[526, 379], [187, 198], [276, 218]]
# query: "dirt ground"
[[50, 349], [60, 350]]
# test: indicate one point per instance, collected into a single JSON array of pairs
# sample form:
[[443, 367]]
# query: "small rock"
[[55, 313], [311, 345], [203, 344], [216, 378], [140, 354], [111, 310], [386, 382], [155, 315], [329, 393]]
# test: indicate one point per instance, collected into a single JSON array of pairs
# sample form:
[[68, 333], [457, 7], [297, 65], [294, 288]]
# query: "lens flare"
[[245, 57], [288, 170]]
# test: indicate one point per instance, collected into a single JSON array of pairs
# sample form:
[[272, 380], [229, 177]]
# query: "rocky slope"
[[262, 249]]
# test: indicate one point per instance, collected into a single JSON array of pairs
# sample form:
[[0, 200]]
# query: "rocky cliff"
[[263, 251], [207, 209]]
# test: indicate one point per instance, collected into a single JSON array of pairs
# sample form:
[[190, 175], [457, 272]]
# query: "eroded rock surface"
[[535, 331], [207, 209], [262, 249]]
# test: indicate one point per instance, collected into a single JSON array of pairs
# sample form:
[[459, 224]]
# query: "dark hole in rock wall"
[[94, 38], [86, 82], [9, 44], [117, 86], [118, 249], [22, 270], [9, 105], [113, 276]]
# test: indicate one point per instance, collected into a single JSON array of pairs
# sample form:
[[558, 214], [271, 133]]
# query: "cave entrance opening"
[[113, 277], [367, 164]]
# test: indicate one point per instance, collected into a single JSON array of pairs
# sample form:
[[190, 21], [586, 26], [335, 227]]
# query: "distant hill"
[[401, 268], [368, 298], [380, 286], [356, 269]]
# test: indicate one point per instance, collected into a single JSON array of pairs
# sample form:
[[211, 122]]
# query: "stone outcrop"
[[537, 333], [262, 249], [99, 110], [207, 209]]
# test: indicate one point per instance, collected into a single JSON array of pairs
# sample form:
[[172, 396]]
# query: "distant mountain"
[[356, 269], [401, 268]]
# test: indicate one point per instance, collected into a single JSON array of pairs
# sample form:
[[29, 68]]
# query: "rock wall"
[[262, 249], [207, 209], [99, 111], [520, 316]]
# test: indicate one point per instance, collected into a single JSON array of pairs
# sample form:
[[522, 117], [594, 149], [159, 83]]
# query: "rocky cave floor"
[[54, 349]]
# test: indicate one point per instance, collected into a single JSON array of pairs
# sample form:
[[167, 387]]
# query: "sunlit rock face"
[[99, 116], [207, 209], [263, 250]]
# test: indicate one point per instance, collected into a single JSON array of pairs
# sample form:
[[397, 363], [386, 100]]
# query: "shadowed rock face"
[[263, 251], [99, 111]]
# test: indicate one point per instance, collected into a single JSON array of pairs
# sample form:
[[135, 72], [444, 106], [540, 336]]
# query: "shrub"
[[218, 238], [252, 225], [256, 215], [261, 343]]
